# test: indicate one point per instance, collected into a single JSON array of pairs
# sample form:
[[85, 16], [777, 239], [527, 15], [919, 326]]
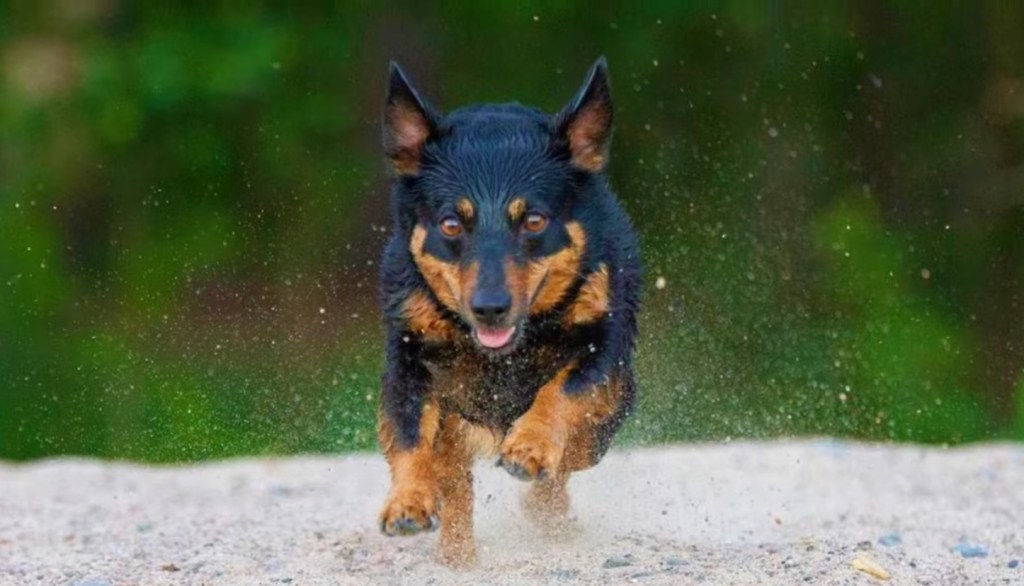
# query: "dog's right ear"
[[409, 123]]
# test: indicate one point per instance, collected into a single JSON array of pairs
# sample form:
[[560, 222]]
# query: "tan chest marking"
[[480, 440]]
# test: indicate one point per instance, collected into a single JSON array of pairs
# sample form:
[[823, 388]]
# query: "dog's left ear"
[[584, 127], [409, 122]]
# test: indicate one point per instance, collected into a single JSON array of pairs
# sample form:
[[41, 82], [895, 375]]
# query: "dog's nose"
[[491, 306]]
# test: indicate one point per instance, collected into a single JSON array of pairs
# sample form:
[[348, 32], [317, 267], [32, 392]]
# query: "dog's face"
[[490, 198]]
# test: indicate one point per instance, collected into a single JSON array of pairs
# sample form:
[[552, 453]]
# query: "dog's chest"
[[493, 392]]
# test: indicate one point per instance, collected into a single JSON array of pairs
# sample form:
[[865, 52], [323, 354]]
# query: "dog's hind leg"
[[453, 466], [547, 499], [546, 505]]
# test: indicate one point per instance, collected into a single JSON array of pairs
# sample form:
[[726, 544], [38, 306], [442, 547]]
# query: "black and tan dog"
[[510, 288]]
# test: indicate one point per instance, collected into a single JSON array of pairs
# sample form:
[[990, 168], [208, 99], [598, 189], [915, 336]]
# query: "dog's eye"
[[451, 226], [535, 222]]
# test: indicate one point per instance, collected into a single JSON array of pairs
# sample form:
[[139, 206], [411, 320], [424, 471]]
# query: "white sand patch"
[[788, 512]]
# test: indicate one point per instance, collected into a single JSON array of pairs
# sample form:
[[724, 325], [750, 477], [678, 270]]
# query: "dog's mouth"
[[494, 338]]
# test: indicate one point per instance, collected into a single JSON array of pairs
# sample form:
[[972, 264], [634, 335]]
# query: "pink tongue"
[[495, 338]]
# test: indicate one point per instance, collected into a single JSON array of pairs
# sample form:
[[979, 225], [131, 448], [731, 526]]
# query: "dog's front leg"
[[412, 505], [563, 430], [534, 446]]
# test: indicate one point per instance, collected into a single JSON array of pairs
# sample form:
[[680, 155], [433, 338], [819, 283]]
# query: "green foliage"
[[191, 202], [903, 361], [1020, 409]]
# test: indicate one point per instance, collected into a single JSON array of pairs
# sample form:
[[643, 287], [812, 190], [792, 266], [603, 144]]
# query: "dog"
[[510, 289]]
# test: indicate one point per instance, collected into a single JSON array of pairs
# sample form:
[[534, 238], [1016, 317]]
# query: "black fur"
[[490, 154]]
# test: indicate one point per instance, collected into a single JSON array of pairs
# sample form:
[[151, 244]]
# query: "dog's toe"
[[515, 469], [410, 511], [529, 455]]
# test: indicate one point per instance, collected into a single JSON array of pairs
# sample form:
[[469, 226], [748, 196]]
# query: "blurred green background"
[[192, 203]]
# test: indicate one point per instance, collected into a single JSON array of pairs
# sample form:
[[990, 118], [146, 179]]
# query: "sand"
[[785, 512]]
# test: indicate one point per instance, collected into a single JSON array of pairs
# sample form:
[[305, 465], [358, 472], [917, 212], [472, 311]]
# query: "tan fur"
[[557, 433], [422, 317], [467, 282], [480, 440], [542, 283], [465, 208], [452, 284], [536, 441], [442, 277], [414, 489], [585, 412], [516, 209], [549, 279], [591, 304]]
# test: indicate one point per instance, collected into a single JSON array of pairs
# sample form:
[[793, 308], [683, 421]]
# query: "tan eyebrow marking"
[[516, 209], [465, 208]]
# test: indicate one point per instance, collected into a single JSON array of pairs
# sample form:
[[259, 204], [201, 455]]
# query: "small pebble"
[[92, 582], [280, 490], [890, 539], [618, 561], [863, 563], [565, 574], [970, 550], [1013, 564], [675, 562]]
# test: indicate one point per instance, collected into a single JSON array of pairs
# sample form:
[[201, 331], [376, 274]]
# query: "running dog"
[[510, 288]]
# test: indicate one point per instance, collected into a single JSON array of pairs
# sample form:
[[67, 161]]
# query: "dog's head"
[[491, 198]]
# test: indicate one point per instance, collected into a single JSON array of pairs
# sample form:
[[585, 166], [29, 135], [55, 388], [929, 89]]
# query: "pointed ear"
[[408, 123], [584, 127]]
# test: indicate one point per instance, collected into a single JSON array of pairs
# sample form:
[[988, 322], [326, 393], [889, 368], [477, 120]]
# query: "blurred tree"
[[192, 201]]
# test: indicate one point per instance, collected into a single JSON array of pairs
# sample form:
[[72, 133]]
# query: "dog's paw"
[[410, 510], [530, 453]]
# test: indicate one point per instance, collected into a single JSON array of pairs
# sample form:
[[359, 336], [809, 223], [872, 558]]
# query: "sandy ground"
[[743, 513]]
